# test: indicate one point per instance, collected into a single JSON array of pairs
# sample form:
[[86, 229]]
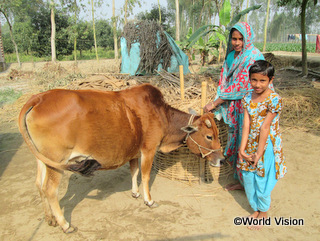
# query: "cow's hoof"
[[52, 222], [71, 229], [151, 204], [135, 195]]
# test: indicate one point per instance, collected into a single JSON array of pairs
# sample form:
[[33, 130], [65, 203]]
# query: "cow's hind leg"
[[41, 178], [134, 169], [48, 182]]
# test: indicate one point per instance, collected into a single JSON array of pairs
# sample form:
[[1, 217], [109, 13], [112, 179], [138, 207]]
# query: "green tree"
[[177, 20], [153, 15], [104, 34], [114, 29], [85, 36], [128, 8], [7, 8], [53, 31], [41, 25], [302, 5], [266, 26], [94, 30]]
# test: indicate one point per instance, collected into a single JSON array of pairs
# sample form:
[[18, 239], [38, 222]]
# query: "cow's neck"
[[174, 136]]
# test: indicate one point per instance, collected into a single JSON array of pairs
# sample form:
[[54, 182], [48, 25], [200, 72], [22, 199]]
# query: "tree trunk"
[[159, 12], [75, 50], [116, 55], [303, 37], [266, 28], [53, 34], [246, 19], [75, 34], [94, 31], [11, 36], [177, 21], [125, 12]]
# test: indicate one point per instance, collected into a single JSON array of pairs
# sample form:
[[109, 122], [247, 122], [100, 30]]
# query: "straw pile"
[[301, 109]]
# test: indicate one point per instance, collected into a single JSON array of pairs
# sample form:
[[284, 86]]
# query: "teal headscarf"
[[234, 79]]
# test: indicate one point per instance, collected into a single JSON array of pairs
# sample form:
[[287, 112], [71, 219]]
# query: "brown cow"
[[88, 130]]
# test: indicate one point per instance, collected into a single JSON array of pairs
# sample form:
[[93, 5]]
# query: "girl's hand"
[[244, 156], [208, 107], [255, 159]]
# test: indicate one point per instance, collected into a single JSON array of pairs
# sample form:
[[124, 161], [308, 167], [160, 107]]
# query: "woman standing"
[[233, 85]]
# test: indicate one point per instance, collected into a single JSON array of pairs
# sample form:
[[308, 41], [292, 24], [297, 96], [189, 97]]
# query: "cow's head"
[[203, 139]]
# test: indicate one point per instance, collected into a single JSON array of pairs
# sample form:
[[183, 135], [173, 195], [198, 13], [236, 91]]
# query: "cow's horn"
[[208, 123]]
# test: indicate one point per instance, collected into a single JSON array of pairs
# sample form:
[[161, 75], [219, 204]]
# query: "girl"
[[260, 155], [233, 85]]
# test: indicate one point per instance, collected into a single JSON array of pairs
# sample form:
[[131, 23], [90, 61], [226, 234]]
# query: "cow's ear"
[[189, 129]]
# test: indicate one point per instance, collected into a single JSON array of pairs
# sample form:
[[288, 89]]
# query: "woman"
[[233, 85]]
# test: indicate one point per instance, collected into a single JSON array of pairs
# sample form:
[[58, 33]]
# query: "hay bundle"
[[185, 166], [301, 109], [154, 45]]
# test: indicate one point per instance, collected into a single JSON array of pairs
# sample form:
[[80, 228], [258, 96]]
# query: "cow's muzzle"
[[218, 162]]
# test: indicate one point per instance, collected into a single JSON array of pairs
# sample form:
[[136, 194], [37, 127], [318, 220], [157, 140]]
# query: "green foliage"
[[153, 15], [289, 47], [224, 14], [42, 28], [184, 45], [85, 55], [217, 34], [242, 13], [104, 34], [8, 96]]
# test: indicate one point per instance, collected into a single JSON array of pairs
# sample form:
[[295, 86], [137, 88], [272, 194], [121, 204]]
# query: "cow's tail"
[[26, 136]]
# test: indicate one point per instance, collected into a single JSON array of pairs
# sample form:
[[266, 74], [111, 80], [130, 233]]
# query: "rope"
[[200, 146]]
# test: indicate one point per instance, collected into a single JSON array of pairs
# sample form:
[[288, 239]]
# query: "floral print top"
[[258, 112]]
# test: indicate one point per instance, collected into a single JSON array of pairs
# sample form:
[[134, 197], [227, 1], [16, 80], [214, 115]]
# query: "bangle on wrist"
[[213, 105]]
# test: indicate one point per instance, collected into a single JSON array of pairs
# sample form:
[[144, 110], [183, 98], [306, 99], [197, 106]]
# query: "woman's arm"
[[264, 133], [244, 139], [213, 104]]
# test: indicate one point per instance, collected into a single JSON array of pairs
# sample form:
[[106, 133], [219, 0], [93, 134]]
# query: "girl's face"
[[260, 83], [237, 41]]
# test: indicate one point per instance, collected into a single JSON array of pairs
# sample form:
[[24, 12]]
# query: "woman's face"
[[237, 41]]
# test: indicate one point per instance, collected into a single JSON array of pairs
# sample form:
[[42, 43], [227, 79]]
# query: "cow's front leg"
[[146, 164], [134, 169]]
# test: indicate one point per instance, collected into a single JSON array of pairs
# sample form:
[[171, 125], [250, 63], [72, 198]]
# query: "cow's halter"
[[199, 146]]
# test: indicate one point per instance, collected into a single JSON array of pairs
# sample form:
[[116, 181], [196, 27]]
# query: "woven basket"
[[185, 166]]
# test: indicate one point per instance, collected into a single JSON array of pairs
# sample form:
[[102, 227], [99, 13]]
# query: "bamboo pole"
[[181, 81], [203, 95]]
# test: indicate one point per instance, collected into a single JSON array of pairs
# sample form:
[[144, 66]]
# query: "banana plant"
[[220, 33]]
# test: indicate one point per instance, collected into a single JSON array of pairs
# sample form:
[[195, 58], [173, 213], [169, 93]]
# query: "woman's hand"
[[208, 107]]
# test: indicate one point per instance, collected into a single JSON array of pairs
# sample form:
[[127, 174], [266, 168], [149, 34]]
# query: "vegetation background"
[[30, 22]]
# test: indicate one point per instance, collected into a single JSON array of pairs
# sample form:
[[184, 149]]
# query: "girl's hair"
[[262, 67]]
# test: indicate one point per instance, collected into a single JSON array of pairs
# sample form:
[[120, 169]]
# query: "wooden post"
[[203, 95], [181, 81]]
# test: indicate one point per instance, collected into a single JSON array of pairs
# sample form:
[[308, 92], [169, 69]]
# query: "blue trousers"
[[258, 189]]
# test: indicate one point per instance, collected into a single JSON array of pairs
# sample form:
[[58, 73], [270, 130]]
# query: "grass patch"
[[85, 55], [288, 47], [8, 96]]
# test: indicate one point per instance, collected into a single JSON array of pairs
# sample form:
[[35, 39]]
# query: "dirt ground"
[[102, 207]]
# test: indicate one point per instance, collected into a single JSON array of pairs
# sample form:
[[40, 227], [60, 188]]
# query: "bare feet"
[[234, 186], [260, 217], [254, 215]]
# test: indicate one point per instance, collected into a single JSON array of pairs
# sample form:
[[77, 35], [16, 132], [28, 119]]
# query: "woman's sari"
[[233, 85]]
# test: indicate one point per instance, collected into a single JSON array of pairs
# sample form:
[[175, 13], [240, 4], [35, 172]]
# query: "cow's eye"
[[209, 137]]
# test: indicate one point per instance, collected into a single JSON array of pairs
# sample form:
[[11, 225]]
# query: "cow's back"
[[107, 126]]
